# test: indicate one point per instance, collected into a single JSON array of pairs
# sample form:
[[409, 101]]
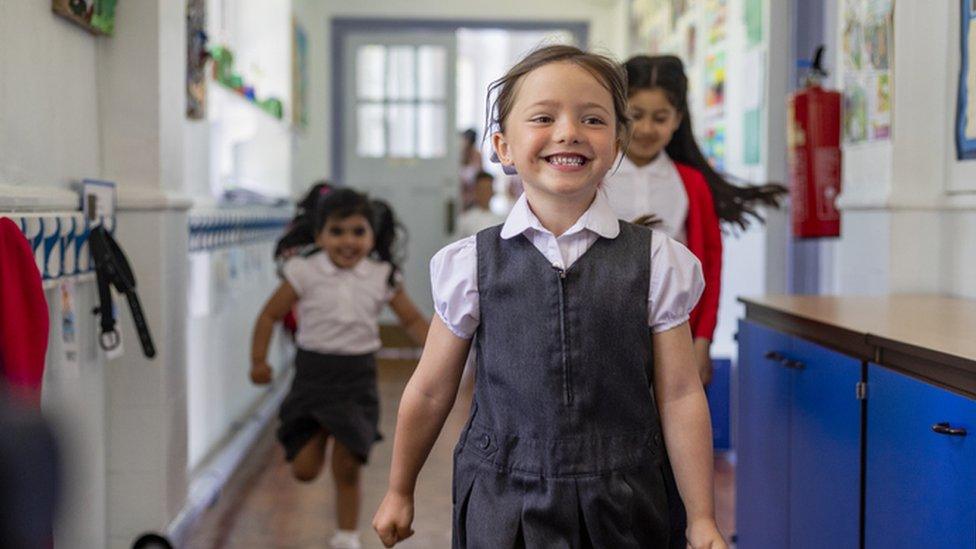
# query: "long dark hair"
[[323, 200], [734, 204], [301, 229]]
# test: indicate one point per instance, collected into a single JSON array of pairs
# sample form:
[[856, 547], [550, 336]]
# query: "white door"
[[399, 136]]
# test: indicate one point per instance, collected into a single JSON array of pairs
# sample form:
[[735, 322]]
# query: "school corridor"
[[724, 247]]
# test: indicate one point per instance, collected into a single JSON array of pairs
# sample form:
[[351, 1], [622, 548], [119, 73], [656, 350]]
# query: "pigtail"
[[390, 237], [734, 203], [300, 232]]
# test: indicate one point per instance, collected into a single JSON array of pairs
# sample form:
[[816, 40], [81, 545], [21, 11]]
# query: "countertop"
[[930, 337]]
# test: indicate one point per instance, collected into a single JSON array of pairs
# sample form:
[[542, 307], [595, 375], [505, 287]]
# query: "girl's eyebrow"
[[552, 103]]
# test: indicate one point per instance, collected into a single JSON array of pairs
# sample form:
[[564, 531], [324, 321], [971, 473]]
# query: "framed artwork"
[[196, 59], [966, 102], [95, 16]]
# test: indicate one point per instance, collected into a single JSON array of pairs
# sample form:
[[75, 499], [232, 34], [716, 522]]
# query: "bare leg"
[[345, 471], [309, 460]]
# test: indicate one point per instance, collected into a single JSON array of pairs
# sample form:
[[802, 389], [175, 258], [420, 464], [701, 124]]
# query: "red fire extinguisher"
[[813, 140]]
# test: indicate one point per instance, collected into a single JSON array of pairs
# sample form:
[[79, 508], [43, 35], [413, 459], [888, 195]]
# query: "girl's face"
[[561, 131], [654, 122], [347, 240]]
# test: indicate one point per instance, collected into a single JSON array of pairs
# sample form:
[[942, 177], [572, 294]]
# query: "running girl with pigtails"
[[338, 287]]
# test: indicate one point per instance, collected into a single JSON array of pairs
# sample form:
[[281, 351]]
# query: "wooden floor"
[[263, 507]]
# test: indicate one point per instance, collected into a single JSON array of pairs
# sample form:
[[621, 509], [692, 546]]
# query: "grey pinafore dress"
[[563, 447]]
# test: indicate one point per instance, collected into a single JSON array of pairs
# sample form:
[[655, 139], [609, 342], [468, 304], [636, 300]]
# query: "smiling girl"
[[580, 323], [340, 289]]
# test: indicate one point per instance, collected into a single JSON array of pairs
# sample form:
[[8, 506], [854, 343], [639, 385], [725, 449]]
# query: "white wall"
[[607, 19], [903, 230]]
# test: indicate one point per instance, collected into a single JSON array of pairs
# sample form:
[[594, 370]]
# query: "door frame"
[[341, 27]]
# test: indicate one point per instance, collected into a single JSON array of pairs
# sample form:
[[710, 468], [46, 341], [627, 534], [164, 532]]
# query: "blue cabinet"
[[762, 438], [798, 442], [825, 448], [920, 486]]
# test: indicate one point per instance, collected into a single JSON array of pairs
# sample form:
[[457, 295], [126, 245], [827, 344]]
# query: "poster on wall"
[[95, 16], [299, 75], [715, 144], [867, 59], [754, 22], [717, 11], [650, 22], [715, 81], [966, 101]]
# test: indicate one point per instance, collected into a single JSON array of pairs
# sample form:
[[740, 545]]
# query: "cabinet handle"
[[783, 361], [793, 364], [943, 428]]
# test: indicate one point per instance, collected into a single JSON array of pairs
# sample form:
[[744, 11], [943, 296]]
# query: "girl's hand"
[[704, 534], [393, 519], [261, 373]]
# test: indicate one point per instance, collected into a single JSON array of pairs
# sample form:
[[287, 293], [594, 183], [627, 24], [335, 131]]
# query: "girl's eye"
[[594, 120], [335, 231], [662, 119], [359, 231], [541, 119]]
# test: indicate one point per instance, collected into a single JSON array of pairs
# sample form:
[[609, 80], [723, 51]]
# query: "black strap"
[[112, 269]]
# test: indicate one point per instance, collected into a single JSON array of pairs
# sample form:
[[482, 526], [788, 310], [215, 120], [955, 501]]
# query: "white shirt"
[[676, 277], [338, 308], [652, 189], [475, 219]]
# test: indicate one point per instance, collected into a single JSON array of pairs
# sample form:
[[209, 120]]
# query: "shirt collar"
[[660, 166], [330, 268], [598, 218]]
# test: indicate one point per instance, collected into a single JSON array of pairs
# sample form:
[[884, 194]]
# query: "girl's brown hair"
[[502, 92]]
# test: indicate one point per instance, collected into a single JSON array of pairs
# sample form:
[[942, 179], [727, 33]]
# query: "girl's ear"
[[502, 150]]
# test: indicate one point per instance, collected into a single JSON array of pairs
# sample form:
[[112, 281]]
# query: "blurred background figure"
[[470, 166], [479, 216], [29, 477]]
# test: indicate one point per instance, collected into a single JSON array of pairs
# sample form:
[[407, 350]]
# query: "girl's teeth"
[[566, 160]]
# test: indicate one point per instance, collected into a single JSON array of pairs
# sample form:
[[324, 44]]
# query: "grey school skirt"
[[337, 393]]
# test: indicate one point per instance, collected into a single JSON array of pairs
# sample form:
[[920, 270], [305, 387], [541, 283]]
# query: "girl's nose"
[[567, 131]]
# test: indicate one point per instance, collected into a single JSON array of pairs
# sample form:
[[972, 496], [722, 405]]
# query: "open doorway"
[[402, 91]]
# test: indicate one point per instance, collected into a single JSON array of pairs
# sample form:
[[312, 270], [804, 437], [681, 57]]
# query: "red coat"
[[23, 316], [705, 241]]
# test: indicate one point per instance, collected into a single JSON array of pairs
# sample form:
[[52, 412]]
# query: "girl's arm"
[[274, 310], [687, 431], [426, 402], [410, 318]]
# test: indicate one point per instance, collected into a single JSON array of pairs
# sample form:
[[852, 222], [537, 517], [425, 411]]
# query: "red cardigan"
[[705, 241]]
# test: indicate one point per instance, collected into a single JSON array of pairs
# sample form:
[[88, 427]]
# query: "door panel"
[[399, 140], [825, 449], [920, 485], [762, 438]]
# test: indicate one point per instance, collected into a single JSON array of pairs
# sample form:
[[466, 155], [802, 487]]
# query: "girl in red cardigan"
[[664, 177]]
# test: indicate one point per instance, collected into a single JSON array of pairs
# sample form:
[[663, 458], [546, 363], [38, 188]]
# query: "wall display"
[[95, 16], [650, 22], [717, 11], [754, 22], [867, 59], [966, 101], [714, 144], [196, 59], [299, 75], [715, 80]]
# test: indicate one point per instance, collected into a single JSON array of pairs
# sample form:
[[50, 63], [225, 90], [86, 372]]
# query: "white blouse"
[[676, 277], [652, 189], [338, 308]]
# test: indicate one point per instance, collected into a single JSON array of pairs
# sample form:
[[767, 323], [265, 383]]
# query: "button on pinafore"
[[563, 447]]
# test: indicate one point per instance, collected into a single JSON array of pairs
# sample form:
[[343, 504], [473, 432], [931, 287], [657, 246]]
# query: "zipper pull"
[[560, 271]]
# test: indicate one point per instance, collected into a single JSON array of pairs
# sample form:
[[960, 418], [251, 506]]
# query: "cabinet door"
[[920, 484], [825, 449], [762, 438]]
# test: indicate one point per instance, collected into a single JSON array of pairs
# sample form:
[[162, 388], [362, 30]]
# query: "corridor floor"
[[263, 507]]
